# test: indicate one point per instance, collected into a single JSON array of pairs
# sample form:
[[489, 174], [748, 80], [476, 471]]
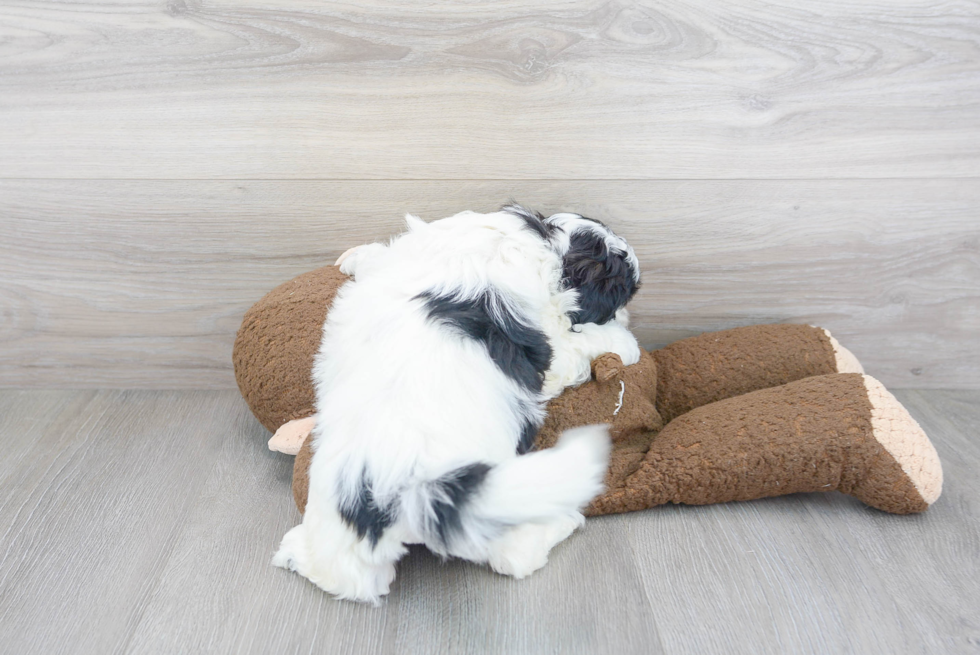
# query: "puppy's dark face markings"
[[603, 276], [520, 351]]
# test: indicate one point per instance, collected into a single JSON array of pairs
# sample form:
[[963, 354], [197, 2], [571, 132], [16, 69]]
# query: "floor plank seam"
[[550, 180]]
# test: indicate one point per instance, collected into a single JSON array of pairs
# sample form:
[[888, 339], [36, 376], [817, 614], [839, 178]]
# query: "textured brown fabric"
[[717, 365], [301, 475], [596, 401], [632, 427], [811, 435], [275, 346]]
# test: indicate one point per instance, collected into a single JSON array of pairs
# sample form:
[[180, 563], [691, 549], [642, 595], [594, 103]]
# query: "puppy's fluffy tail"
[[464, 509], [548, 483]]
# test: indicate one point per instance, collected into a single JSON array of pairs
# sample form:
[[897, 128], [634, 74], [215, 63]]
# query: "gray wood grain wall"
[[164, 163]]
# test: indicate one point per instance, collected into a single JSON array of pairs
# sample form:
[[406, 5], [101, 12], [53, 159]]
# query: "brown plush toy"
[[746, 413]]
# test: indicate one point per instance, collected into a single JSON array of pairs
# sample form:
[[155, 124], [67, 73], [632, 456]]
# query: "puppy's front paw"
[[629, 351], [622, 342]]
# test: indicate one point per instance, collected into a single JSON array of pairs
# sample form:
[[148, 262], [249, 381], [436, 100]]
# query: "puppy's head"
[[599, 265]]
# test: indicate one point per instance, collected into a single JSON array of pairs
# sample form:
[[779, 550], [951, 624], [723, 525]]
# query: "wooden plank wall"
[[164, 163]]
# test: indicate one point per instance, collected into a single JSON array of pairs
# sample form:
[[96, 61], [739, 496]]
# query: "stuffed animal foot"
[[842, 432], [902, 438], [844, 359]]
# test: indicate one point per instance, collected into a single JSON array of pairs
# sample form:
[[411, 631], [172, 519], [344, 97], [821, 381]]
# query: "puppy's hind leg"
[[331, 554], [523, 549]]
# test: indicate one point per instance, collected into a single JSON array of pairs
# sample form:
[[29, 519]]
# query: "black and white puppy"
[[431, 380]]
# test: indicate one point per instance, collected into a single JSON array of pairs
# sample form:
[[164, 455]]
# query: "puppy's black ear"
[[604, 278], [533, 220]]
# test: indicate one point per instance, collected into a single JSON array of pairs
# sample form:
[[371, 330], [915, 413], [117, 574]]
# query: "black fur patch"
[[604, 279], [533, 220], [365, 515], [591, 220], [520, 351], [528, 434], [457, 487]]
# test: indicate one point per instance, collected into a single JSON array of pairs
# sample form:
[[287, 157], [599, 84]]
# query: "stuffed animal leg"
[[716, 365], [842, 432]]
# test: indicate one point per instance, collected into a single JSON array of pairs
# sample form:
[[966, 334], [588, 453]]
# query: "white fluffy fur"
[[409, 400]]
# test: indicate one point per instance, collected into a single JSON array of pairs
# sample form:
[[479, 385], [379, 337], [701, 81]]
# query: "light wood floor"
[[144, 521]]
